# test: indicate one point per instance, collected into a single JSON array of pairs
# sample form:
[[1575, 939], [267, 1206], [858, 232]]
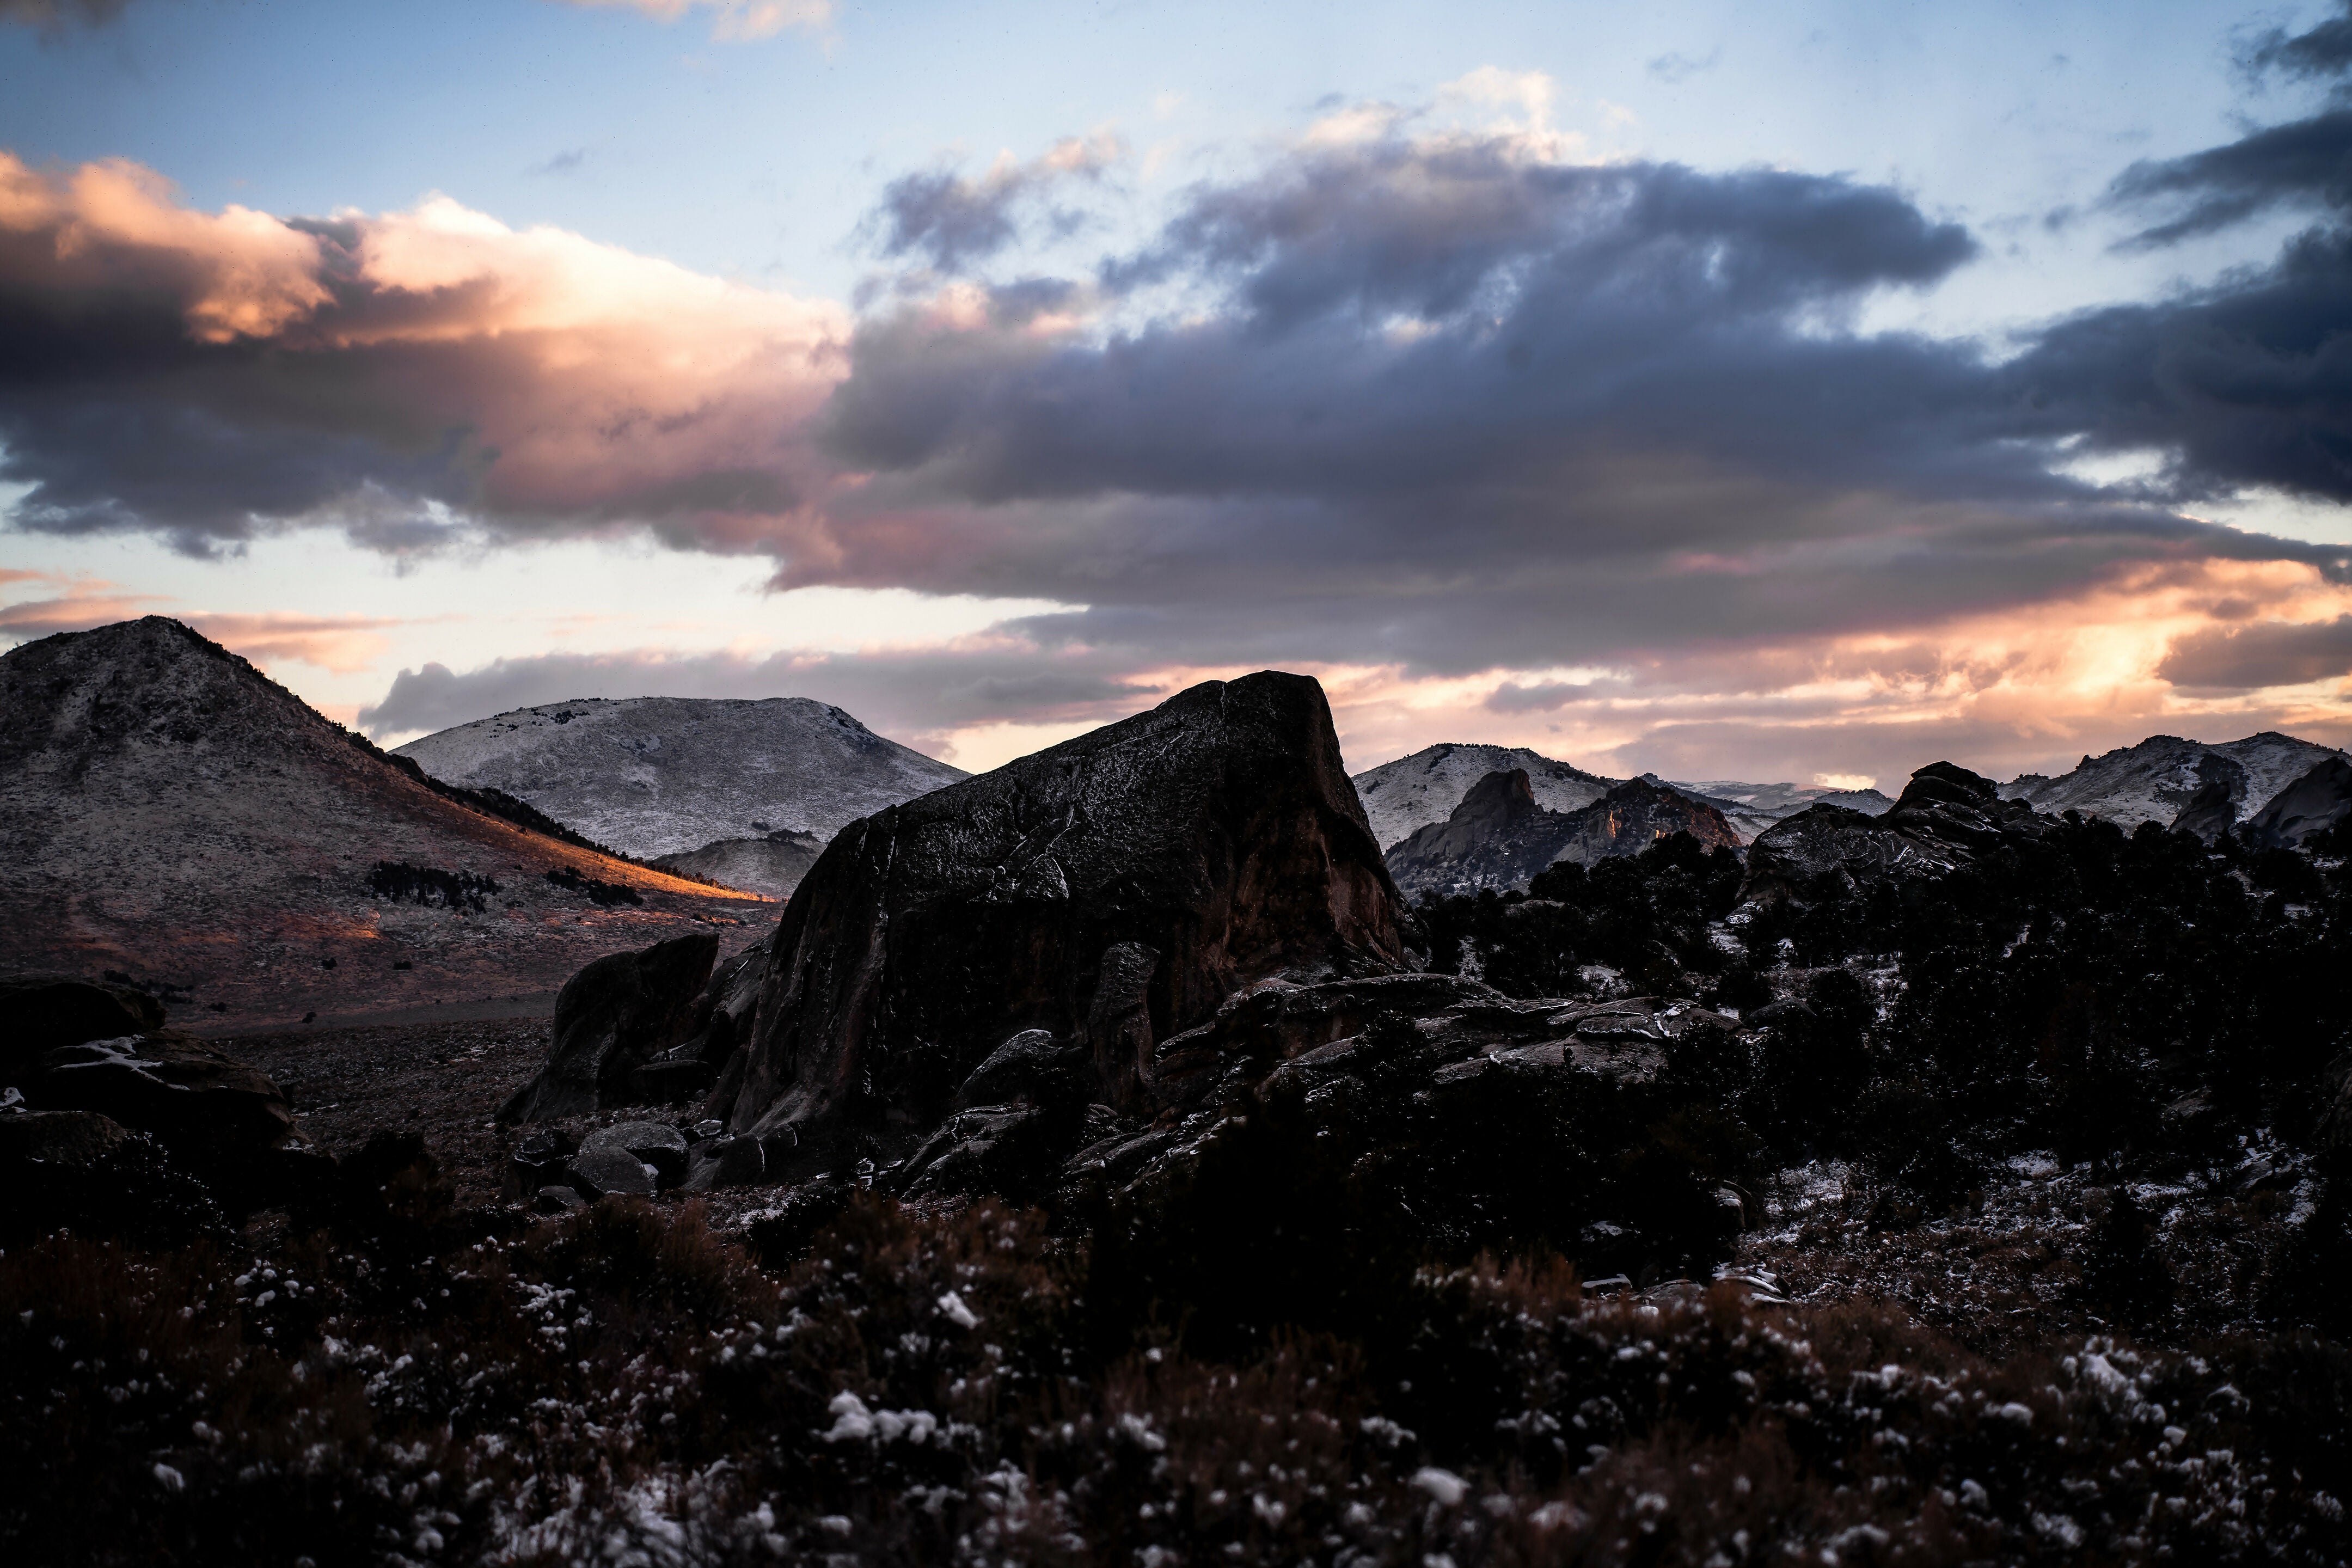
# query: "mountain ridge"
[[169, 812], [667, 778]]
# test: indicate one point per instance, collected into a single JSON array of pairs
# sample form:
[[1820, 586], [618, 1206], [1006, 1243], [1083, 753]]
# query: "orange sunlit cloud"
[[342, 644], [580, 379]]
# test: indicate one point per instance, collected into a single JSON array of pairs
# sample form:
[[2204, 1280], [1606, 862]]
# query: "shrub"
[[399, 882]]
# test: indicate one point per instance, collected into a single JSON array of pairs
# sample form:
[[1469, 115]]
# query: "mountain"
[[2319, 800], [2157, 780], [1946, 817], [1751, 808], [666, 777], [1426, 786], [773, 865], [170, 815], [1500, 838]]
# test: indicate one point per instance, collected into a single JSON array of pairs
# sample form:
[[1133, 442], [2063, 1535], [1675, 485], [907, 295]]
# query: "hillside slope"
[[169, 812], [667, 776]]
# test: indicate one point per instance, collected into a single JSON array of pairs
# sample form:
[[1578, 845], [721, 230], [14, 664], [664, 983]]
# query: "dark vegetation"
[[603, 894], [401, 882], [397, 1380]]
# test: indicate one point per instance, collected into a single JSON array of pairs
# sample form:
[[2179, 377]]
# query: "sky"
[[1800, 393]]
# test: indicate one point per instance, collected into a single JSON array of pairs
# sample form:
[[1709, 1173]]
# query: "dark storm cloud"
[[2307, 161], [1463, 408], [1407, 324], [2246, 382], [2325, 50], [2271, 653]]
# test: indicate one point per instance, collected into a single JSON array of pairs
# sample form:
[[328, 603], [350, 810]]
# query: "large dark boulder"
[[1498, 838], [1111, 890], [40, 1012], [70, 1046], [613, 1017], [2212, 811], [1635, 814], [2311, 804], [1945, 818]]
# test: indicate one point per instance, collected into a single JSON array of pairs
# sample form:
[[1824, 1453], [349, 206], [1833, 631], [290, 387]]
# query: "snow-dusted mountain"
[[1751, 808], [1413, 792], [1501, 837], [2154, 780], [1778, 800], [169, 812], [664, 775]]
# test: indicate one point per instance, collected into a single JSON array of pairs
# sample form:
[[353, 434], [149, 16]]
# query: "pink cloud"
[[732, 20], [113, 224], [342, 645], [524, 381]]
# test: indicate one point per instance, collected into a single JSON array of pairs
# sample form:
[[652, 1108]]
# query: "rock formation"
[[610, 1020], [1499, 837], [666, 776], [2210, 813], [1112, 890], [1413, 792], [1637, 813], [170, 813], [64, 1052], [1944, 819], [2313, 804]]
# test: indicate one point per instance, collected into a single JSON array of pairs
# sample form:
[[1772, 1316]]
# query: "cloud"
[[2238, 385], [735, 21], [563, 163], [2268, 654], [87, 602], [2326, 49], [2303, 162], [53, 17], [1474, 428], [342, 645], [1676, 69], [412, 377], [953, 222]]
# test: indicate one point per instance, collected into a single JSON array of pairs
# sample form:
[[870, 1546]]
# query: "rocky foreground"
[[1102, 1161]]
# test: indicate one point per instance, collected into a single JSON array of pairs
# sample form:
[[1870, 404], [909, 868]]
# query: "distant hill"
[[1414, 792], [169, 812], [2154, 780], [708, 785], [1500, 838], [1426, 786], [1753, 808]]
